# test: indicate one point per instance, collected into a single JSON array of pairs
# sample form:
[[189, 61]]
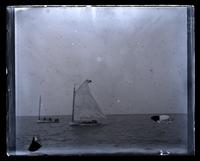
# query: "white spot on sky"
[[99, 59], [118, 100], [129, 81]]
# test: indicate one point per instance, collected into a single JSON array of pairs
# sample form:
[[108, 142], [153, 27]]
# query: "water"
[[136, 134]]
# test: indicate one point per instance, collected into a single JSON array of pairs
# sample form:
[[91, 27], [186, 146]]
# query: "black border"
[[10, 93], [190, 80], [3, 49]]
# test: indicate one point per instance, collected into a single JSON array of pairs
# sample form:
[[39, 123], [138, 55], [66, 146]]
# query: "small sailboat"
[[45, 119], [85, 110]]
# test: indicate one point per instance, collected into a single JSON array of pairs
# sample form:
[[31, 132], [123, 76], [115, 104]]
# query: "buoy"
[[35, 145]]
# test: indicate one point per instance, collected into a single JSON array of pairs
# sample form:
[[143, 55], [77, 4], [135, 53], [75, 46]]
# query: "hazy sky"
[[135, 56]]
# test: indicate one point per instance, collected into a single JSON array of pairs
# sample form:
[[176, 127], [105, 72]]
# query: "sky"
[[135, 56]]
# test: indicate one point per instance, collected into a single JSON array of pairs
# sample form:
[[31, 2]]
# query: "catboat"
[[45, 119], [85, 109]]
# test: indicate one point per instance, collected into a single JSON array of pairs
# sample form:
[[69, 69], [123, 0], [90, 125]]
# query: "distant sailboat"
[[85, 110], [45, 119], [161, 118]]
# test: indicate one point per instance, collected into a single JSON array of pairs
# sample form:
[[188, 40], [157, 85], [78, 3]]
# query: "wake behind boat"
[[85, 110]]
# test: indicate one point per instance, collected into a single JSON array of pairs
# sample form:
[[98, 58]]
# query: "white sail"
[[85, 106]]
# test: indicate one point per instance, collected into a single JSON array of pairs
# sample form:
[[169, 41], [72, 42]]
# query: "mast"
[[73, 104], [39, 107]]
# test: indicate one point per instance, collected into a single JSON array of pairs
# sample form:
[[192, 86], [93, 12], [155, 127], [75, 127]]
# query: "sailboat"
[[45, 119], [85, 109]]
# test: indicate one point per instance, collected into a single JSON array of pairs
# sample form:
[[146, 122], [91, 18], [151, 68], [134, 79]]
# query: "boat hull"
[[84, 124], [47, 121]]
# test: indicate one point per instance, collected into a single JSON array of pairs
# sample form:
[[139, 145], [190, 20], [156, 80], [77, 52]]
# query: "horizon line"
[[162, 113]]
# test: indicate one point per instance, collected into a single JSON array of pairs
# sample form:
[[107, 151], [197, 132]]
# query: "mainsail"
[[85, 106]]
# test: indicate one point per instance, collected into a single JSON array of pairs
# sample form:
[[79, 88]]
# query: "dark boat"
[[35, 145]]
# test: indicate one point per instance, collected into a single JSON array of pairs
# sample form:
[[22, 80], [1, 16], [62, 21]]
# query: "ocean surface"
[[122, 134]]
